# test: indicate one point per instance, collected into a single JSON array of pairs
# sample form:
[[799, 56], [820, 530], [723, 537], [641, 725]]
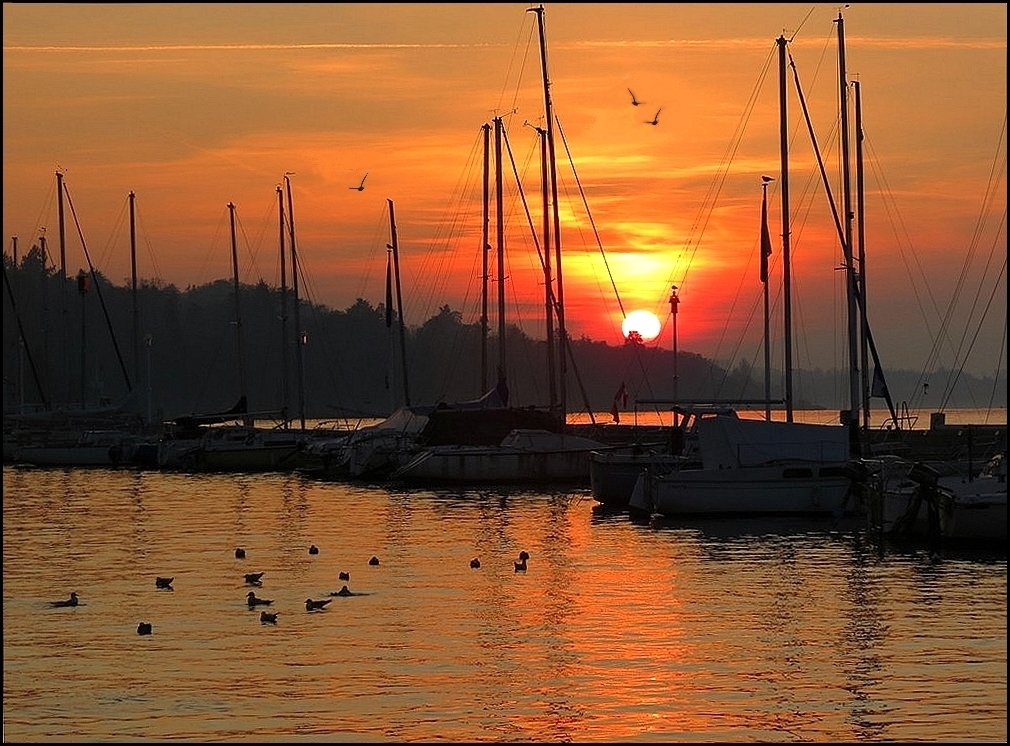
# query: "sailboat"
[[764, 467], [754, 467], [82, 435], [230, 441], [486, 440]]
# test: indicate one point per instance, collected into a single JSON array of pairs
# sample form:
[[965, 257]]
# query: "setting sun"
[[643, 322]]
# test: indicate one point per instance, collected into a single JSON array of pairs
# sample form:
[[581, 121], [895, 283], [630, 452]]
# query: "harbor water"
[[618, 630]]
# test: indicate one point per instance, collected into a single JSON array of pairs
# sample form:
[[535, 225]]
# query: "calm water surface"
[[618, 631]]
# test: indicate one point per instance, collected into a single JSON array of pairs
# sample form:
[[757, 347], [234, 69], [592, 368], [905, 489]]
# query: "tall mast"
[[850, 281], [50, 383], [485, 250], [284, 309], [238, 307], [300, 341], [394, 245], [20, 342], [766, 250], [560, 295], [548, 286], [500, 214], [864, 325], [63, 276], [786, 261], [133, 269]]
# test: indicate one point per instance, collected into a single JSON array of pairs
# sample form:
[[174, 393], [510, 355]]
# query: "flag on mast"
[[766, 239], [389, 292]]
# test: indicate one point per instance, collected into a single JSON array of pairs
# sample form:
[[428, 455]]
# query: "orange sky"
[[193, 106]]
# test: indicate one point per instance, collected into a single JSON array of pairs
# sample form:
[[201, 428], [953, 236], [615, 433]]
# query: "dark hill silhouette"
[[193, 356]]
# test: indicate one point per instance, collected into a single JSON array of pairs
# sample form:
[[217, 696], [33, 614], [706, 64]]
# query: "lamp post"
[[674, 302]]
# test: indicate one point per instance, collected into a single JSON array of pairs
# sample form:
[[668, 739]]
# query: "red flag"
[[766, 239]]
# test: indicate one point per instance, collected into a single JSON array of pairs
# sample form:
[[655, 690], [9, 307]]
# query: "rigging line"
[[995, 377], [589, 213], [714, 189], [599, 243], [892, 212], [976, 238], [47, 208], [996, 286], [512, 63], [817, 152], [201, 278], [269, 223], [434, 263], [147, 242], [24, 339], [529, 217], [98, 289], [802, 23], [707, 207], [252, 268], [106, 253]]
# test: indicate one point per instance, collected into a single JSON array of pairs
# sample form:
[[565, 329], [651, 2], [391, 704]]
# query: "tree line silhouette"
[[75, 343]]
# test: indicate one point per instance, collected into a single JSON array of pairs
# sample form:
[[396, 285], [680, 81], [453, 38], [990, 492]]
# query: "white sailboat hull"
[[523, 457], [759, 490]]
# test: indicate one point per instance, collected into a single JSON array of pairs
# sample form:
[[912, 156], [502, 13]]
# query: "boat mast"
[[133, 269], [850, 281], [284, 309], [395, 247], [500, 214], [63, 276], [560, 306], [238, 307], [861, 276], [485, 250], [674, 305], [298, 325], [17, 350], [766, 250], [548, 285], [786, 262]]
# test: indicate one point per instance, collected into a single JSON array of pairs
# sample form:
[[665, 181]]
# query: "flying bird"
[[634, 101], [72, 601], [311, 605], [361, 187], [655, 120]]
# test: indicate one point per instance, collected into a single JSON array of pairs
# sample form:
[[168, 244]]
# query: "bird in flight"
[[655, 120], [361, 187], [634, 101]]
